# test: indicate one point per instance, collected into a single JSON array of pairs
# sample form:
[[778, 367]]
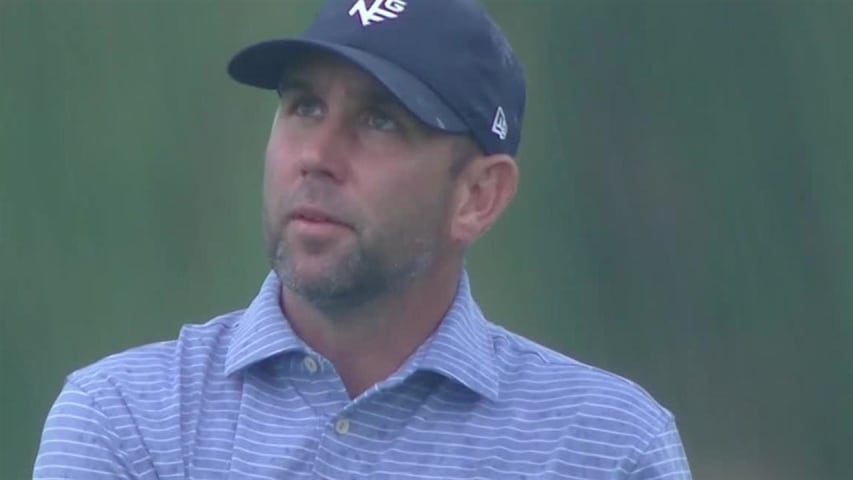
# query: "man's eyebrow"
[[293, 84], [373, 95], [381, 97]]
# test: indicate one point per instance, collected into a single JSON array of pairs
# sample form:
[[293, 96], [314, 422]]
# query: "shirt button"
[[310, 364], [342, 426]]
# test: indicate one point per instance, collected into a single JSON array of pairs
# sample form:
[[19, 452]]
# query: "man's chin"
[[326, 296], [313, 278], [316, 241], [330, 290]]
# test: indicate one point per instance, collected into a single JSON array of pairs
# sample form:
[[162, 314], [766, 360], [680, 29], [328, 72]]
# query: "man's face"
[[357, 192]]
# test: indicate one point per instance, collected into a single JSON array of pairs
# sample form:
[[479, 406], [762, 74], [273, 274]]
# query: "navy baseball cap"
[[445, 61]]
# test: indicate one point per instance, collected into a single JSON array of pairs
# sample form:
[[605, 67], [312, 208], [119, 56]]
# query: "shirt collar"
[[460, 349], [262, 331]]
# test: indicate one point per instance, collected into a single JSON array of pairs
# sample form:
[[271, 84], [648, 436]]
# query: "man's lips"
[[314, 215]]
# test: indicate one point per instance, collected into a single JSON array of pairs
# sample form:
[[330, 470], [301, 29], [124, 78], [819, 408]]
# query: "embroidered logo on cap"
[[379, 11], [499, 126]]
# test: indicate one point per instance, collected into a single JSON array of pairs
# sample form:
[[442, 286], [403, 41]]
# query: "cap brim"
[[261, 65]]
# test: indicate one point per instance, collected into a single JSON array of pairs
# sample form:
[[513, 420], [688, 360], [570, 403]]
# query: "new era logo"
[[499, 126], [378, 11]]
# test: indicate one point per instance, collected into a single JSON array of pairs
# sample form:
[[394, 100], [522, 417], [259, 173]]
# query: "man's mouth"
[[314, 215]]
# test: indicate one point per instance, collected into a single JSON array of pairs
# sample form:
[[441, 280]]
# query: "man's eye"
[[380, 121], [307, 108]]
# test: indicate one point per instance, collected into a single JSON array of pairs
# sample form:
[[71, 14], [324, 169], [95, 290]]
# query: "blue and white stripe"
[[242, 397]]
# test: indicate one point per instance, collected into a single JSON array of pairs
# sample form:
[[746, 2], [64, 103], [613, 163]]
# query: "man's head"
[[392, 146]]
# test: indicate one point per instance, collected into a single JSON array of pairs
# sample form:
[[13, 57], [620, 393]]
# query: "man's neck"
[[368, 344]]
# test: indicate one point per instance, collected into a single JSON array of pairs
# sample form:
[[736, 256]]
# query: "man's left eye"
[[380, 121]]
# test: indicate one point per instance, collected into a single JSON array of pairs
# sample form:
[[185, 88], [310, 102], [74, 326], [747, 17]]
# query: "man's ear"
[[484, 189]]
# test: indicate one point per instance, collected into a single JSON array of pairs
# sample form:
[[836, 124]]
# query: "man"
[[364, 355]]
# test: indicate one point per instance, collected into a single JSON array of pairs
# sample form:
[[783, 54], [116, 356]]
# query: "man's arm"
[[78, 441], [663, 458]]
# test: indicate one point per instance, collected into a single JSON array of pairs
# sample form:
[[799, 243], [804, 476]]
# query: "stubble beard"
[[361, 276]]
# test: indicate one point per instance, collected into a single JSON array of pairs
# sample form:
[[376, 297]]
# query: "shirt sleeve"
[[663, 458], [78, 441]]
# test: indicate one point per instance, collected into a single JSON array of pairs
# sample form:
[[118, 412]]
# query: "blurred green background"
[[684, 215]]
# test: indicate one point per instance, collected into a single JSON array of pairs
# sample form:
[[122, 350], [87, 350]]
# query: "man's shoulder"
[[196, 347], [531, 372]]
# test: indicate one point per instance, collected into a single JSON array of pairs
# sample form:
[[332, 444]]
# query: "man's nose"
[[323, 149]]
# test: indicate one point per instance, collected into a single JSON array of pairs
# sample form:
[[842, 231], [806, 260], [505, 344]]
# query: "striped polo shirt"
[[242, 397]]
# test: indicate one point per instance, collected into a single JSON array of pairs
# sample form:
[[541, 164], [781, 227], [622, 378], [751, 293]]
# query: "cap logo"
[[379, 10], [499, 126]]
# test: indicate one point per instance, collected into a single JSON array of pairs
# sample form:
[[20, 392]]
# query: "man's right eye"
[[307, 107]]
